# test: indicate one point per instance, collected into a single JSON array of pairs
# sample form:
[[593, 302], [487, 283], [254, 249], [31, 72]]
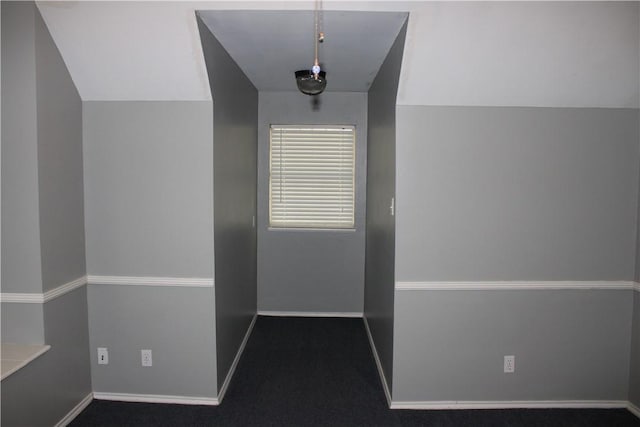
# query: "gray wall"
[[492, 194], [516, 193], [311, 270], [175, 323], [634, 377], [46, 390], [381, 181], [22, 323], [59, 166], [148, 209], [32, 395], [235, 116], [569, 345], [148, 188], [637, 224], [21, 266]]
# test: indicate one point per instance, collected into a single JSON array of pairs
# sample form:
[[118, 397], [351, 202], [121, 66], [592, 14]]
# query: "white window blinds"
[[311, 180]]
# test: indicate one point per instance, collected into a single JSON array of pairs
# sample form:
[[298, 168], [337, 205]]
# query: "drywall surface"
[[148, 181], [568, 345], [235, 116], [21, 266], [61, 203], [488, 194], [381, 182], [176, 323], [311, 270], [634, 378], [66, 330], [149, 213], [22, 323], [637, 273], [47, 389], [44, 391]]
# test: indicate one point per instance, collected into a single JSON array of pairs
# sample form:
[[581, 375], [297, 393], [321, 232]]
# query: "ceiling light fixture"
[[313, 81]]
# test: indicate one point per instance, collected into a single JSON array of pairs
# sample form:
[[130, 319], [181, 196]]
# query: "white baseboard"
[[433, 405], [517, 285], [635, 410], [355, 314], [232, 369], [66, 420], [385, 386], [155, 398], [510, 404]]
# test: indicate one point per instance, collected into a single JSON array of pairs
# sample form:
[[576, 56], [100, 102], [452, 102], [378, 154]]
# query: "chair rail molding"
[[185, 282], [41, 298]]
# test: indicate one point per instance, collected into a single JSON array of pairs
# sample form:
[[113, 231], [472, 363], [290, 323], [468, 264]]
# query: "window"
[[311, 179]]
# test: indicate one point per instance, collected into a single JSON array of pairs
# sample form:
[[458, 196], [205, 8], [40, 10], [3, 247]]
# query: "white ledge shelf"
[[17, 356]]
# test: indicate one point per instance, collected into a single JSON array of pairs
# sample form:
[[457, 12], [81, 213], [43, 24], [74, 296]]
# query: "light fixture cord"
[[316, 36]]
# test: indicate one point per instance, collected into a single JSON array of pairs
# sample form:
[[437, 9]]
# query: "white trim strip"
[[41, 298], [485, 286], [510, 404], [636, 286], [155, 398], [186, 282], [635, 410], [66, 288], [383, 379], [66, 420], [232, 369], [355, 314], [32, 298]]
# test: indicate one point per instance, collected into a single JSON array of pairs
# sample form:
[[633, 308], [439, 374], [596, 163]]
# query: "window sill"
[[16, 356]]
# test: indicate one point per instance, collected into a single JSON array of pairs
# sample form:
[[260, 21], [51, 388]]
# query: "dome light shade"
[[309, 84]]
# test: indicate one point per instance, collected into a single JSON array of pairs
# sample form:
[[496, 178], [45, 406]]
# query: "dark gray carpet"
[[320, 372]]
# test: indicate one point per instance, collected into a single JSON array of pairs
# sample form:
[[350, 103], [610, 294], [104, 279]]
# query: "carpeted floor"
[[320, 372]]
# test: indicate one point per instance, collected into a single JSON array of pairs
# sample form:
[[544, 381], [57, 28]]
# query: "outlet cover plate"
[[146, 358], [509, 364], [103, 356]]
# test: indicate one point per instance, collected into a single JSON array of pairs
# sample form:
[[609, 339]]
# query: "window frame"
[[314, 227]]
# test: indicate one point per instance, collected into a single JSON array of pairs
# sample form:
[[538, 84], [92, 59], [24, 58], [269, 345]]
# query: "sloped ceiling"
[[557, 54], [270, 46]]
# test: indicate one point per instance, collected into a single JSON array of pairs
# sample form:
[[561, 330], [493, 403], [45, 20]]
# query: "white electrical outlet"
[[146, 358], [103, 356], [509, 364]]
